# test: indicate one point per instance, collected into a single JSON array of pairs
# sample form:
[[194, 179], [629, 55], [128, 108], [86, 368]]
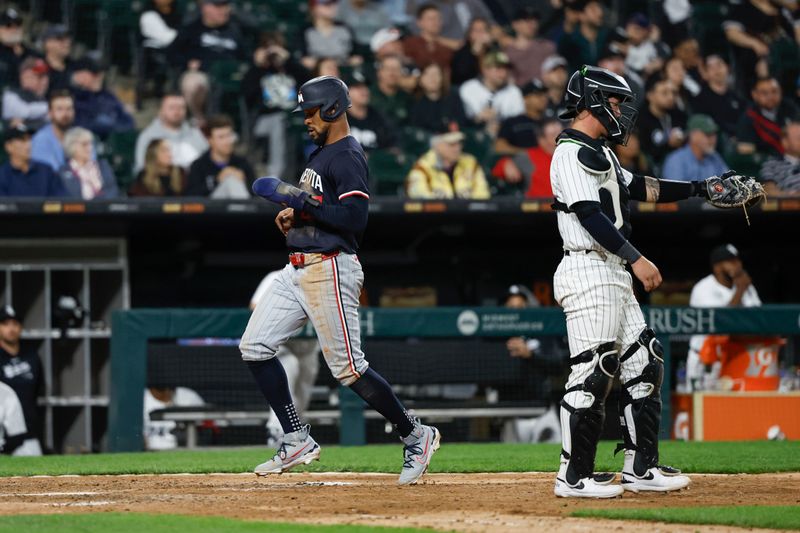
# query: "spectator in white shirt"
[[729, 285], [159, 24], [490, 98], [187, 142]]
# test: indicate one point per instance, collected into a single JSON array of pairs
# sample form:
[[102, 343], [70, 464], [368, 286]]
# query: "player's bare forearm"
[[654, 190]]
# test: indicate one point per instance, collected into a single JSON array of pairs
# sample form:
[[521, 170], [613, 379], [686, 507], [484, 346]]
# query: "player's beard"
[[321, 137]]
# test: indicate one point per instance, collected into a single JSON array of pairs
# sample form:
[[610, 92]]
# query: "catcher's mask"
[[590, 88]]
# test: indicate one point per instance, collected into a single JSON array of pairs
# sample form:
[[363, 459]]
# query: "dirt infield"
[[462, 502]]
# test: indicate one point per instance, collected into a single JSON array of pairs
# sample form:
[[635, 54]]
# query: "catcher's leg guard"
[[583, 410], [640, 409], [640, 416]]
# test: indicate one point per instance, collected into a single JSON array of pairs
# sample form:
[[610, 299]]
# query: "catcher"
[[606, 329]]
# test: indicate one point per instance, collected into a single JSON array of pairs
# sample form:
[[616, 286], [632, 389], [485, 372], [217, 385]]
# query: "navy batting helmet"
[[328, 93], [590, 88]]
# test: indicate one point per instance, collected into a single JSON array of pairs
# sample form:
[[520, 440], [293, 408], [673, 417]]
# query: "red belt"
[[298, 259]]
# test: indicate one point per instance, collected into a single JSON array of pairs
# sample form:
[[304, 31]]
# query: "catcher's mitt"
[[734, 190]]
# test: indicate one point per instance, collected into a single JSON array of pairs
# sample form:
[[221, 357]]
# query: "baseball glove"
[[734, 190]]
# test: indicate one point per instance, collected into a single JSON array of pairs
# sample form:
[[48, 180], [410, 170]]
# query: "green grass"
[[707, 457], [771, 517], [163, 523]]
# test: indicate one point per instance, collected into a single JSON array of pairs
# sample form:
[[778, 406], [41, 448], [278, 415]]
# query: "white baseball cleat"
[[297, 448], [658, 478], [595, 486], [586, 488], [418, 450]]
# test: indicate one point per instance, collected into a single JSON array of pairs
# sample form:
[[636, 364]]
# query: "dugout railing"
[[132, 330]]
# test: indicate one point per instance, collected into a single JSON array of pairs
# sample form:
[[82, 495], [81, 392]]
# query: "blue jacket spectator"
[[698, 159], [21, 176], [46, 143], [96, 108]]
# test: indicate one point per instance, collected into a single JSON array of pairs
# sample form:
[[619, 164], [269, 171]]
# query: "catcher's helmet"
[[590, 88], [328, 93]]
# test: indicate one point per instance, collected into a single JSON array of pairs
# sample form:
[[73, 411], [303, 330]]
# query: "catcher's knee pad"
[[651, 374], [640, 404], [582, 422]]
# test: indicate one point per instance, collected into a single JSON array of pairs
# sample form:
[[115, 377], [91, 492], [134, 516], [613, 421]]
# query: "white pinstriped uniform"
[[595, 290], [326, 292]]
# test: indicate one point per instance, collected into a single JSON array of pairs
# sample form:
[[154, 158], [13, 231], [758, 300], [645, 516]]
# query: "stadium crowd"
[[451, 98]]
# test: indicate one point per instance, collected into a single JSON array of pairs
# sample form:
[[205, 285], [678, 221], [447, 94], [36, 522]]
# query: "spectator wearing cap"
[[84, 177], [436, 107], [583, 46], [270, 91], [644, 55], [388, 95], [13, 50], [387, 42], [21, 369], [530, 169], [698, 158], [22, 176], [27, 104], [519, 132], [717, 97], [662, 126], [781, 174], [57, 46], [46, 144], [759, 128], [364, 17], [326, 37], [187, 141], [555, 77], [490, 98], [446, 172], [426, 47], [212, 38], [96, 108], [728, 285], [466, 60], [526, 51], [367, 125]]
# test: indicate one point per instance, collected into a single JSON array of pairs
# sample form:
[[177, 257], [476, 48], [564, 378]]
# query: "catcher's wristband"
[[699, 188]]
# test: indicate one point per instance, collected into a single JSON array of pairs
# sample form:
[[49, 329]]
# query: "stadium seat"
[[119, 150], [388, 172]]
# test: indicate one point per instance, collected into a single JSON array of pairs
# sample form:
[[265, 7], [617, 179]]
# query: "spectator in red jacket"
[[532, 167]]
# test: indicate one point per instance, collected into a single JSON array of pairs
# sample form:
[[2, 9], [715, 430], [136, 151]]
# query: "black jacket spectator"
[[12, 50], [196, 41], [437, 115], [202, 178]]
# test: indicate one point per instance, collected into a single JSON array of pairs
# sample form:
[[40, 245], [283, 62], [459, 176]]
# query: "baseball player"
[[300, 361], [323, 222], [606, 329], [12, 421]]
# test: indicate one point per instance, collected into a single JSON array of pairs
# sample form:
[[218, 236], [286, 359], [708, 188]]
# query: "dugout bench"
[[133, 329]]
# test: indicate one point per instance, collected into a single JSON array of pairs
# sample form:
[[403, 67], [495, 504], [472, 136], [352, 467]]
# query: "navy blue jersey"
[[334, 172]]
